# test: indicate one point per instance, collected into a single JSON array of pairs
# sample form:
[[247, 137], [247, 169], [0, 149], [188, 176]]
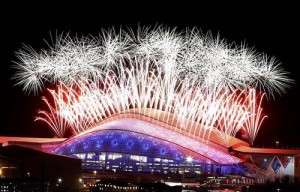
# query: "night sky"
[[274, 31]]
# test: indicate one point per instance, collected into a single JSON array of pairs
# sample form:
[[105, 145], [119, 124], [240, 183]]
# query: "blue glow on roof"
[[117, 141]]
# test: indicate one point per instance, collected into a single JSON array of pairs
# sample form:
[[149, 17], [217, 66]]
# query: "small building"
[[25, 169]]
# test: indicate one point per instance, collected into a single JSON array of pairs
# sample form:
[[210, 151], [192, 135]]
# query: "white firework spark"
[[54, 118], [205, 82], [255, 115], [211, 62], [195, 112]]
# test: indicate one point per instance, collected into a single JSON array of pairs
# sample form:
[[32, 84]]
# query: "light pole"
[[277, 142], [95, 175], [247, 187], [189, 160], [278, 190], [59, 180], [80, 182], [264, 174]]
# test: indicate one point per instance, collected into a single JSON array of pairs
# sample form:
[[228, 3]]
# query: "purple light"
[[146, 128]]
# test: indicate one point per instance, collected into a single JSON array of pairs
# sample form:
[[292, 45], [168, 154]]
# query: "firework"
[[197, 83], [192, 56]]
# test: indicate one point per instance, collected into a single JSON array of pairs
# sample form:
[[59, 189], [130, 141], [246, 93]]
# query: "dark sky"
[[273, 30]]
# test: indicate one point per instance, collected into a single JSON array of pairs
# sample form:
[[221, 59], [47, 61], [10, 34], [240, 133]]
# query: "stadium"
[[158, 101], [138, 143]]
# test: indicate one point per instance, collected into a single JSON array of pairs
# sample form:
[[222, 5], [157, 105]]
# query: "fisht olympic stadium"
[[139, 143], [156, 100]]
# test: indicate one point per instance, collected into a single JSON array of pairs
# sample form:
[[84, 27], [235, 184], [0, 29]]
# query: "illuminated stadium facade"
[[137, 143], [130, 144], [158, 101]]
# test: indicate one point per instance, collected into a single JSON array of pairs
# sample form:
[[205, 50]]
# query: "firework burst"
[[202, 81]]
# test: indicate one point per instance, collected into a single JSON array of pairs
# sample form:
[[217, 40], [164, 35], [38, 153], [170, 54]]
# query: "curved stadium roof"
[[214, 150]]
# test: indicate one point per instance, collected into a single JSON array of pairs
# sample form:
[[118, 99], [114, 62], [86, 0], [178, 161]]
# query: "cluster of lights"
[[105, 186], [201, 80], [189, 159]]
